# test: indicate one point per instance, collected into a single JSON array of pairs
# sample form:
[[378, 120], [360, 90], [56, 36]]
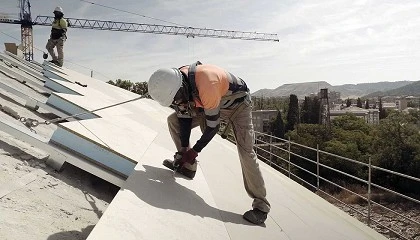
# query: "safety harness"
[[194, 94]]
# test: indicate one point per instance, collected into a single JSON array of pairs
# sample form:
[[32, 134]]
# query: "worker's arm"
[[211, 103], [63, 25], [207, 136], [185, 131]]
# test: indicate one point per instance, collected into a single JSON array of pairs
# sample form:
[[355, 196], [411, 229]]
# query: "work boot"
[[186, 169], [55, 62], [255, 216]]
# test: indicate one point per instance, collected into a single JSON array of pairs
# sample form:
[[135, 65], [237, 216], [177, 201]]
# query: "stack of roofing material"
[[31, 68], [109, 137], [21, 75]]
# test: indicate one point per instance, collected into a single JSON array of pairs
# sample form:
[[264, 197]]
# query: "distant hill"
[[412, 89], [299, 89], [363, 89], [347, 91]]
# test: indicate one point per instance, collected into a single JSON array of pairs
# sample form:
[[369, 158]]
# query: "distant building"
[[401, 103], [333, 97], [261, 120], [389, 106], [371, 116]]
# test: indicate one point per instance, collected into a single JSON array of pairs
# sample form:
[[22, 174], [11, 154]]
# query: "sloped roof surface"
[[154, 203]]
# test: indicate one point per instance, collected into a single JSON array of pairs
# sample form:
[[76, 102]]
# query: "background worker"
[[202, 95], [57, 37]]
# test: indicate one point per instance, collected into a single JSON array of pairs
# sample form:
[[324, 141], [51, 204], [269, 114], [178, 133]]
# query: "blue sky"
[[340, 41]]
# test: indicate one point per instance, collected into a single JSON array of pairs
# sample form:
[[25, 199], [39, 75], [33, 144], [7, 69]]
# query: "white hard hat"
[[58, 9], [164, 84]]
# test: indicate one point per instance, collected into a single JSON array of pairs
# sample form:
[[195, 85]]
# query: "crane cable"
[[18, 40], [31, 123], [141, 15], [92, 111]]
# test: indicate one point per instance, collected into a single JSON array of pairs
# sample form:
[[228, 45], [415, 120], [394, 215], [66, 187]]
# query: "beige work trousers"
[[244, 135], [59, 43]]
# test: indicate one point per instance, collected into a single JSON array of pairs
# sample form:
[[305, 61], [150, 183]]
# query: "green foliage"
[[382, 111], [305, 110], [415, 115], [111, 82], [359, 103], [277, 126], [316, 111], [310, 110], [310, 135], [292, 113], [397, 142], [351, 139], [349, 150], [367, 104], [394, 144], [125, 84], [348, 102], [271, 103], [138, 87], [350, 122]]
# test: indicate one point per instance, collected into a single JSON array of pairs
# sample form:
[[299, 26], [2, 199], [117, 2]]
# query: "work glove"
[[187, 157]]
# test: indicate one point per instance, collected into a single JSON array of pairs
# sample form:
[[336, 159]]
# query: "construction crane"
[[25, 20]]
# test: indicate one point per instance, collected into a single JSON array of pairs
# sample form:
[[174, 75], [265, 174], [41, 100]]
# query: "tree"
[[316, 111], [398, 142], [305, 110], [111, 82], [382, 111], [268, 103], [277, 126], [140, 88], [292, 113], [310, 110], [348, 102], [125, 84], [309, 135], [359, 103]]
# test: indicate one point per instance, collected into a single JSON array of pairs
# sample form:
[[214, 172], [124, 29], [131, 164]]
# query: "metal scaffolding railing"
[[269, 147]]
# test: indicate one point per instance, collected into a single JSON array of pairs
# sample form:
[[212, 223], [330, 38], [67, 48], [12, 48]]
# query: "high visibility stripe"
[[212, 117]]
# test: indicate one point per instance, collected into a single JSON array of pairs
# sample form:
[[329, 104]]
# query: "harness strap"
[[234, 96], [191, 79]]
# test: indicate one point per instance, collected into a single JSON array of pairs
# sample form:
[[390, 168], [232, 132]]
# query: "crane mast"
[[26, 29]]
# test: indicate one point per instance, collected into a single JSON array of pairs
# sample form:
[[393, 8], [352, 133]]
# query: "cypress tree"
[[359, 103], [292, 113]]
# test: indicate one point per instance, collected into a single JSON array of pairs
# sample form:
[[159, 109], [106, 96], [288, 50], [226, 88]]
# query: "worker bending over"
[[203, 95]]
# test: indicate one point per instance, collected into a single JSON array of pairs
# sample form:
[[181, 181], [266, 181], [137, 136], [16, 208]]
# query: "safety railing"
[[279, 153]]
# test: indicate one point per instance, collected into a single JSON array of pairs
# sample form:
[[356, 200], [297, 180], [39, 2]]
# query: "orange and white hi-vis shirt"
[[213, 84]]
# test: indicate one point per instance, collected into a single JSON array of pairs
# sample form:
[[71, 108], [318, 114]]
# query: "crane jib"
[[159, 29]]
